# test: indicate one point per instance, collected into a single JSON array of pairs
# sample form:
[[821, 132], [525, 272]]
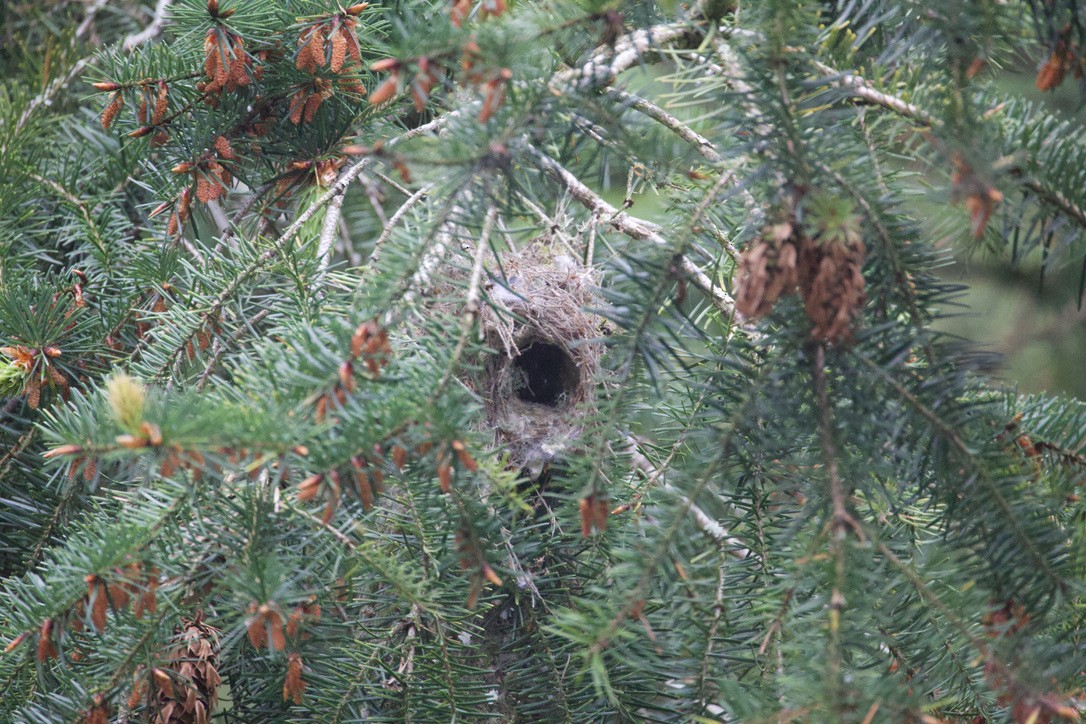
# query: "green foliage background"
[[757, 521]]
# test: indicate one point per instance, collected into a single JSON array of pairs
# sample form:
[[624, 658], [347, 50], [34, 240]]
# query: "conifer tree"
[[280, 280]]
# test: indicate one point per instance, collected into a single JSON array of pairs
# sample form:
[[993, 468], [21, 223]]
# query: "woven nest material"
[[541, 383]]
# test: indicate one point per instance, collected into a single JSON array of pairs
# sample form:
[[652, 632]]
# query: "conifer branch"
[[88, 19], [607, 62], [952, 436], [865, 91], [1059, 200], [710, 527], [340, 185], [47, 95], [743, 483]]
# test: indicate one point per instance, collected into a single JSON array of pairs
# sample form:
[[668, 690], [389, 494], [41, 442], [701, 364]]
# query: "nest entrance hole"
[[545, 374]]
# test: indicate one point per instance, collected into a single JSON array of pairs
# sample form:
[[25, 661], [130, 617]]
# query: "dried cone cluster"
[[266, 624], [331, 42], [154, 102], [1062, 61], [594, 511], [978, 196], [133, 584], [369, 345], [832, 282], [429, 71], [180, 214], [116, 103], [460, 9], [366, 478], [767, 270], [493, 84], [186, 690], [328, 45], [323, 173], [307, 100], [826, 268], [473, 559], [293, 683], [98, 712]]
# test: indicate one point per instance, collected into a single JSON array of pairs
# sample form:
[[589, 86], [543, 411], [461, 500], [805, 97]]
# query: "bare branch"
[[329, 229], [1058, 200], [702, 144], [152, 30], [863, 90], [704, 521], [629, 50], [88, 19], [631, 226]]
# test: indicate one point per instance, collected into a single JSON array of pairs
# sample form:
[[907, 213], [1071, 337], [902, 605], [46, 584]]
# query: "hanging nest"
[[540, 384]]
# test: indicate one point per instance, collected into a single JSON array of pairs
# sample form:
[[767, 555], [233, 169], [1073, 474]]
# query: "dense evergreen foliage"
[[252, 260]]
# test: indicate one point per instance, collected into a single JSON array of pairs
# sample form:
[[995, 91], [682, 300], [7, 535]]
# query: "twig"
[[88, 19], [704, 521], [863, 90], [471, 304], [95, 233], [838, 495], [951, 435], [432, 126], [152, 30], [777, 622], [413, 199], [373, 195], [21, 444], [599, 135], [629, 50], [551, 223], [218, 216], [346, 244], [700, 143], [220, 349], [524, 578], [339, 535], [1058, 200], [631, 226], [232, 226], [434, 253], [46, 96]]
